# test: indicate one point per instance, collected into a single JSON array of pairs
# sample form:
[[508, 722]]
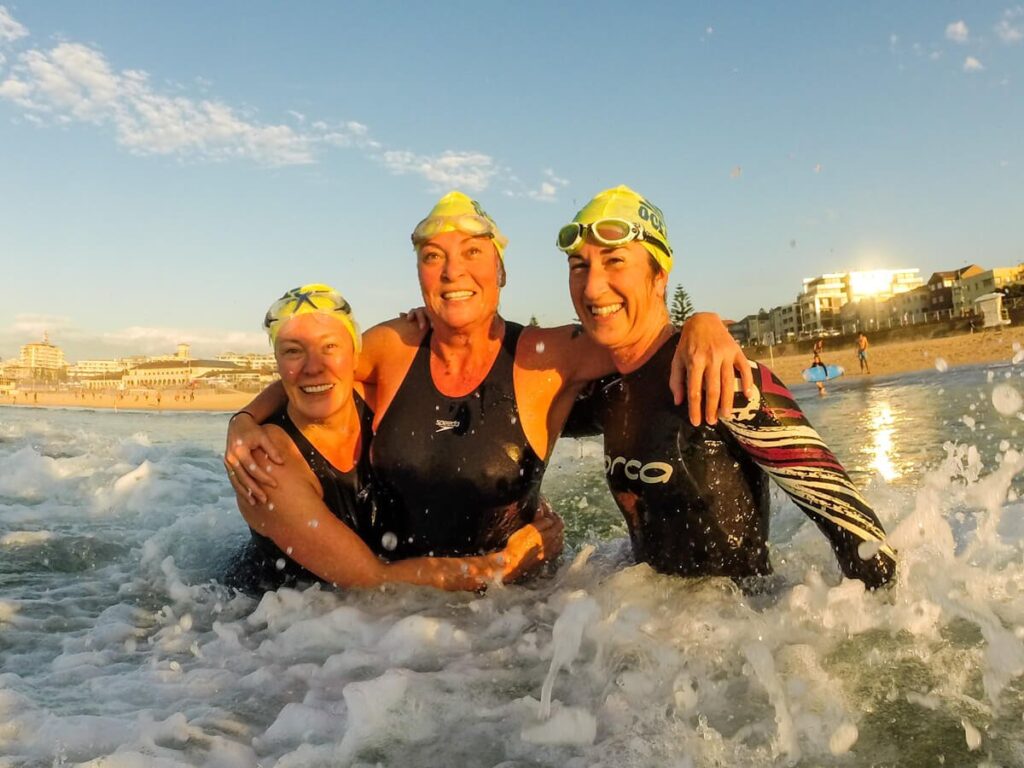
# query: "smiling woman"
[[316, 519]]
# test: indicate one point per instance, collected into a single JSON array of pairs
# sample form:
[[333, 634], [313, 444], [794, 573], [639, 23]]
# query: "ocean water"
[[118, 647]]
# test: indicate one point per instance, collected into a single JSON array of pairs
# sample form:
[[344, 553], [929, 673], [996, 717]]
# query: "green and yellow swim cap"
[[312, 297], [457, 212], [623, 203]]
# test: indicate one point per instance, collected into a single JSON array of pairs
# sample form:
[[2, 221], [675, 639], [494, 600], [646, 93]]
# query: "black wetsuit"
[[455, 475], [695, 499], [261, 565]]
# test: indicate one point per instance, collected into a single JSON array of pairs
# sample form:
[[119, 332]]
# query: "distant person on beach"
[[862, 353], [321, 504], [468, 409], [819, 346], [695, 499]]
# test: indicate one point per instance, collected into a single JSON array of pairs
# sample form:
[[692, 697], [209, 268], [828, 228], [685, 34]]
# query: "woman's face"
[[316, 359], [618, 297], [459, 278]]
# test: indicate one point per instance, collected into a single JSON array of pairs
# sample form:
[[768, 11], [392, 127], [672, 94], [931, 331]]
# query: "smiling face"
[[316, 359], [618, 295], [460, 277]]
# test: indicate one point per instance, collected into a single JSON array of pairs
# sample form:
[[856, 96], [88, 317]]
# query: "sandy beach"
[[904, 356], [168, 400], [884, 359]]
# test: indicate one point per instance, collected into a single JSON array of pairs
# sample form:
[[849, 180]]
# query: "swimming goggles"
[[612, 232], [466, 223]]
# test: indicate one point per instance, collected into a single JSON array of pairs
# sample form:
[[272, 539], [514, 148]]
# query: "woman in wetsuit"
[[467, 412], [695, 498], [319, 511]]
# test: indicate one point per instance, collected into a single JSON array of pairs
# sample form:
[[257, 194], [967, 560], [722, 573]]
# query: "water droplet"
[[941, 365], [1006, 399], [279, 563], [270, 506], [314, 523], [540, 347], [389, 541]]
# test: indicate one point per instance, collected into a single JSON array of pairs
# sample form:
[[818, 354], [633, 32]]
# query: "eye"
[[472, 252], [429, 256]]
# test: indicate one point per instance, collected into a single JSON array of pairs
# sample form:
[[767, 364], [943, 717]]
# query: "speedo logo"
[[652, 472]]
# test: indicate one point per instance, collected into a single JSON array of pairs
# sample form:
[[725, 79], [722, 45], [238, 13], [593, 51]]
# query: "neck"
[[633, 355], [457, 346], [327, 434]]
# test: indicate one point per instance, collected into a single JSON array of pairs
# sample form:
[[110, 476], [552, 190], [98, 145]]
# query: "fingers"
[[677, 379], [242, 483], [712, 393], [728, 389], [746, 376], [271, 451], [694, 379]]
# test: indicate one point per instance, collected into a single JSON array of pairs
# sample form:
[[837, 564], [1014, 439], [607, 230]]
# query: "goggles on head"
[[611, 232], [466, 223]]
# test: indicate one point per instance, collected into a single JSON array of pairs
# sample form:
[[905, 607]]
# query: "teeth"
[[456, 295], [317, 388], [609, 309]]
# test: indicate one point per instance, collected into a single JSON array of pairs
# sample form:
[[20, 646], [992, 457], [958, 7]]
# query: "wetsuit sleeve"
[[773, 430], [586, 418]]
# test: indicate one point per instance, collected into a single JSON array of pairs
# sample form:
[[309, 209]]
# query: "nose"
[[454, 266], [597, 281], [314, 362]]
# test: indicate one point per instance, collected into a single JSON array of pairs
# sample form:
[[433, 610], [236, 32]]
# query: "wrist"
[[236, 414]]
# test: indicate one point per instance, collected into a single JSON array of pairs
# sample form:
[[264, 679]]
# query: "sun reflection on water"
[[881, 423]]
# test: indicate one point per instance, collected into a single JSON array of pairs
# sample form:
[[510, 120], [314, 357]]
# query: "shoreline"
[[168, 400], [885, 359], [976, 348]]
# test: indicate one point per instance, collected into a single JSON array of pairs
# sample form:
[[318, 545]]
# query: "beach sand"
[[884, 359], [904, 356], [169, 400]]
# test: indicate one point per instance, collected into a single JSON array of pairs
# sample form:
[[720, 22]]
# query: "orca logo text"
[[652, 472]]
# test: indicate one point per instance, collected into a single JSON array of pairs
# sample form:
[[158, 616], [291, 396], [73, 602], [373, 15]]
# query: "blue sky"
[[167, 170]]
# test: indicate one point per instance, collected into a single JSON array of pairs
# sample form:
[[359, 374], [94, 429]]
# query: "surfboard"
[[817, 373]]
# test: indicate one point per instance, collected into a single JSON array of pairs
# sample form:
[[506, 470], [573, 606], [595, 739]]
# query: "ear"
[[661, 283], [502, 279]]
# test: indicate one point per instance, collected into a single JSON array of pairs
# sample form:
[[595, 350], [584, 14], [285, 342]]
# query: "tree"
[[681, 307]]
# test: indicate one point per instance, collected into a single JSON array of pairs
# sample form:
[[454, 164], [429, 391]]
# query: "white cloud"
[[75, 83], [471, 171], [957, 32], [1009, 29], [79, 343], [10, 29], [971, 64], [547, 192]]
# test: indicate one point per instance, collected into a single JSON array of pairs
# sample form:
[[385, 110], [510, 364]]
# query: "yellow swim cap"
[[623, 203], [456, 212], [313, 297]]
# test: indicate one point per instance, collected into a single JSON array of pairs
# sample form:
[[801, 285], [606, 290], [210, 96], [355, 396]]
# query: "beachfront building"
[[173, 373], [947, 292], [253, 360], [989, 281], [753, 329], [43, 360], [822, 298], [784, 322], [910, 307], [87, 369]]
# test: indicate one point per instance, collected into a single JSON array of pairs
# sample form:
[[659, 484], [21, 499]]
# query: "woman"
[[467, 413], [317, 511], [696, 499]]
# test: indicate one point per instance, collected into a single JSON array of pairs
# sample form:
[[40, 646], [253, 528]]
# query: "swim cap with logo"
[[457, 212], [312, 297], [623, 203]]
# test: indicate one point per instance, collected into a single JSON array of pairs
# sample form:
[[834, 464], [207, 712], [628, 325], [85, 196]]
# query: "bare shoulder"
[[566, 348], [398, 331]]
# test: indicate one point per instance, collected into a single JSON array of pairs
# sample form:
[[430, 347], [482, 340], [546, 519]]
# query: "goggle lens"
[[613, 231], [467, 224], [570, 236]]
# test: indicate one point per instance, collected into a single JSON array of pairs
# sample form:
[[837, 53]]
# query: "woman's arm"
[[773, 430], [297, 521]]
